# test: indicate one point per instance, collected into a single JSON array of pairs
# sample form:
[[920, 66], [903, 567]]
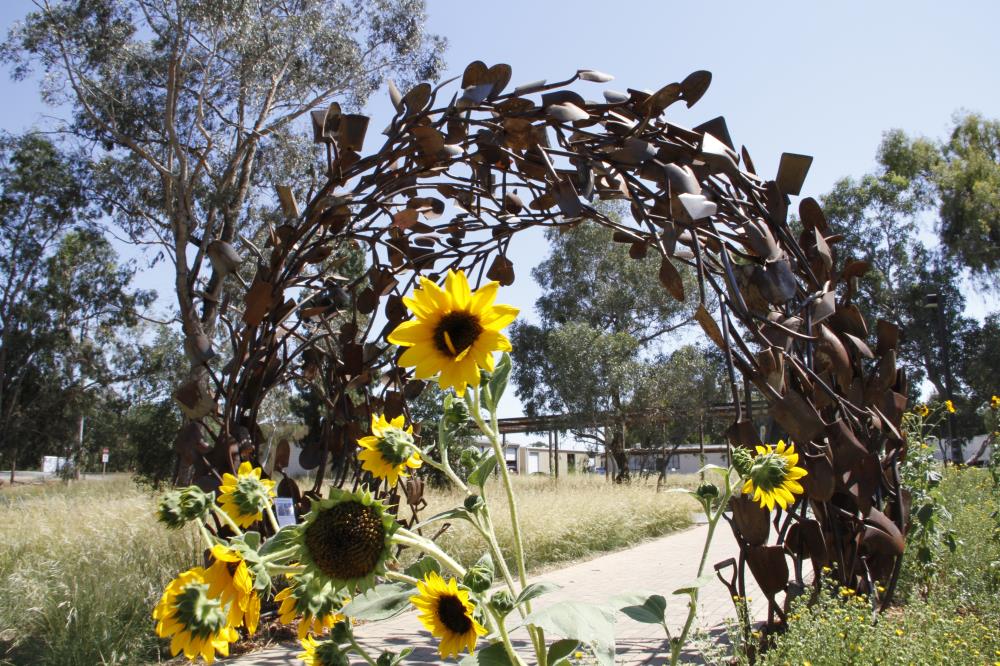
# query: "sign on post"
[[284, 511], [104, 459]]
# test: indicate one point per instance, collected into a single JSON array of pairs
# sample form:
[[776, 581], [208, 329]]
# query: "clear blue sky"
[[824, 79]]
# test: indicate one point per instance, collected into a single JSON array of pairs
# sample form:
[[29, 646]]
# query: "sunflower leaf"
[[380, 603], [458, 513], [483, 470], [422, 567], [493, 655], [651, 611], [284, 538], [590, 623], [498, 381], [560, 650], [695, 585], [535, 590]]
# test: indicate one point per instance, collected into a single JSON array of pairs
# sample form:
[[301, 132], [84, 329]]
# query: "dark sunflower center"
[[346, 540], [452, 612], [456, 332]]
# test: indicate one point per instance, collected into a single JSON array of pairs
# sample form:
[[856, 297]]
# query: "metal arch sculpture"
[[541, 154]]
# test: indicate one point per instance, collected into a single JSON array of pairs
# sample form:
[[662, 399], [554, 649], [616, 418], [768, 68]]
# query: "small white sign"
[[284, 511], [104, 458]]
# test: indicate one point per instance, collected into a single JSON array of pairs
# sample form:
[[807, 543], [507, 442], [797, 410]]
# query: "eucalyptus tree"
[[196, 110], [595, 354]]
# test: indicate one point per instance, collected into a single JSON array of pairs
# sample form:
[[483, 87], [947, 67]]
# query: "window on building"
[[571, 462]]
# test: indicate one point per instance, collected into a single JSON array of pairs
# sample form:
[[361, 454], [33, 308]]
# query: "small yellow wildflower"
[[950, 406]]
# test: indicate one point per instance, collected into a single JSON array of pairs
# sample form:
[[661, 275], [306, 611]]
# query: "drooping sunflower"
[[446, 612], [454, 331], [345, 539], [922, 411], [322, 653], [389, 451], [195, 619], [773, 477], [245, 496], [230, 581], [316, 602]]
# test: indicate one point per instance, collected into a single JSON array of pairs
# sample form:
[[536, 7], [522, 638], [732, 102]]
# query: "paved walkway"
[[659, 566]]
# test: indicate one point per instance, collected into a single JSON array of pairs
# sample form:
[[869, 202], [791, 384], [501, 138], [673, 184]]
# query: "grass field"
[[81, 565]]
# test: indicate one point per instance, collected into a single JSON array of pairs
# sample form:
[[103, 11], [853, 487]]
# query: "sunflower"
[[455, 331], [950, 406], [314, 600], [345, 539], [389, 450], [995, 402], [230, 581], [922, 411], [773, 476], [446, 612], [244, 497], [194, 618], [322, 653]]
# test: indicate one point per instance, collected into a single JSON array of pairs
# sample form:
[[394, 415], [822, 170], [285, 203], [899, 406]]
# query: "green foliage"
[[956, 622]]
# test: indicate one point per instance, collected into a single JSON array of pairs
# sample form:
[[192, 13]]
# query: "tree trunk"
[[616, 447]]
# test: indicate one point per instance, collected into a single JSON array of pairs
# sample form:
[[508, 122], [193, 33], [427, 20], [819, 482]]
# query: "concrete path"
[[659, 566]]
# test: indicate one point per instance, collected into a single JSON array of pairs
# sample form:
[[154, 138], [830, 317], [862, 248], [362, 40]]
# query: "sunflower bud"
[[177, 507], [474, 503], [480, 576], [470, 457], [502, 602], [742, 461], [456, 415], [323, 653], [341, 632], [707, 491]]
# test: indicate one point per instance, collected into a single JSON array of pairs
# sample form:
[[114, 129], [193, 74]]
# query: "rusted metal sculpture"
[[458, 175]]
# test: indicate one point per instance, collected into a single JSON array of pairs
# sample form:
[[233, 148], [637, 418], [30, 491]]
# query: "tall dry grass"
[[81, 567], [570, 518]]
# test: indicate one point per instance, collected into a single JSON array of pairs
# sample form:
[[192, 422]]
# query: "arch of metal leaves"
[[461, 171]]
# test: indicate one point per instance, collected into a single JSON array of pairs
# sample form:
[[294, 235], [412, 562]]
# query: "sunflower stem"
[[401, 577], [280, 569], [515, 658], [713, 520], [271, 518], [279, 554], [489, 536], [490, 431], [227, 519], [361, 651], [205, 534], [407, 538]]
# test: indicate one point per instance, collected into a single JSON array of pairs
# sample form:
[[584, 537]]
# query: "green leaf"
[[721, 471], [925, 513], [492, 655], [589, 623], [498, 381], [652, 610], [284, 538], [559, 650], [422, 567], [458, 513], [535, 590], [695, 585], [381, 602], [252, 539], [483, 470], [388, 658]]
